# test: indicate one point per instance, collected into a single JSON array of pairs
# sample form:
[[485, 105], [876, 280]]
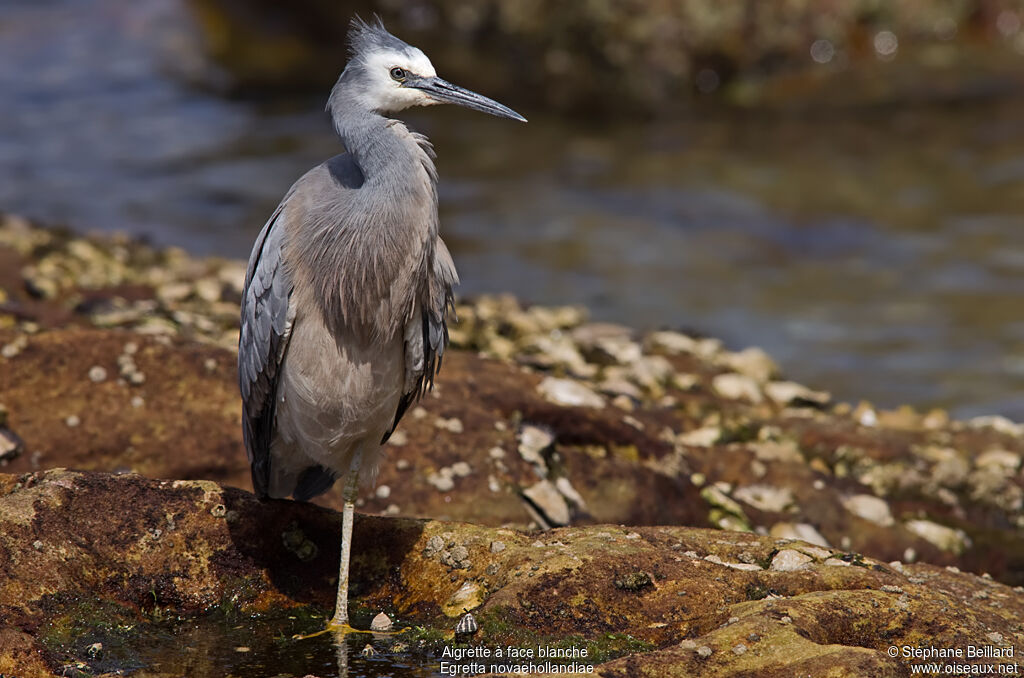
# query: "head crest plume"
[[365, 38]]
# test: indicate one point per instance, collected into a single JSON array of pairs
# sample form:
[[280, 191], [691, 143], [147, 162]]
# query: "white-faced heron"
[[348, 288]]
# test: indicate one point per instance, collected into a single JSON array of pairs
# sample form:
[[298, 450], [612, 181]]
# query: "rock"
[[702, 437], [785, 451], [676, 343], [870, 508], [545, 498], [442, 480], [765, 497], [533, 441], [998, 423], [788, 560], [792, 393], [606, 343], [945, 538], [1003, 461], [548, 352], [10, 445], [469, 596], [620, 386], [751, 362], [569, 393], [733, 386], [650, 372], [803, 531]]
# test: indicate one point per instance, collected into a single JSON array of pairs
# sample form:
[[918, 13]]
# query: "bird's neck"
[[384, 149]]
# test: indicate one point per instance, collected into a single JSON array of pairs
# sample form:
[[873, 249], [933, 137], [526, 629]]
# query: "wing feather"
[[426, 333], [266, 321]]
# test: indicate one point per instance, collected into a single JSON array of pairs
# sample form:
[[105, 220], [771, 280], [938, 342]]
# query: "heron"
[[348, 288]]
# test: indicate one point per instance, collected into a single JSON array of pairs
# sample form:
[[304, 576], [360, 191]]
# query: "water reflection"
[[875, 253]]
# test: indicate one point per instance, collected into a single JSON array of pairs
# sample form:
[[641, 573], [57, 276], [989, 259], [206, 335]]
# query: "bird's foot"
[[334, 627]]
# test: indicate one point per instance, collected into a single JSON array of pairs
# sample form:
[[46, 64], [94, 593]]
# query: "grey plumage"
[[343, 319]]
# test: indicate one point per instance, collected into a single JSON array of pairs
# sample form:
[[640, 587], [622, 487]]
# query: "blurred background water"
[[874, 247]]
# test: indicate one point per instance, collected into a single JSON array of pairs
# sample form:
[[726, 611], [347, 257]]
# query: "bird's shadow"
[[297, 546]]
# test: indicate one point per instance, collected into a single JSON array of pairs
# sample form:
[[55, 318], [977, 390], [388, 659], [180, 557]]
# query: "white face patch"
[[387, 95]]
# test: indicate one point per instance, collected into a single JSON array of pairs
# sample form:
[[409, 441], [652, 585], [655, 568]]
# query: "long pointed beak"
[[443, 91]]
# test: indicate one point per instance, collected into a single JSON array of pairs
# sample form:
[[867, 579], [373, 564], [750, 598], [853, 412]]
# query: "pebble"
[[569, 492], [999, 424], [704, 651], [497, 546], [677, 342], [569, 393], [453, 425], [442, 480], [792, 393], [752, 362], [766, 497], [10, 445], [788, 560], [740, 649], [1002, 460], [871, 508], [624, 403], [606, 343], [802, 531], [734, 386], [461, 469], [15, 347], [383, 492], [945, 538], [72, 421], [546, 498], [701, 437]]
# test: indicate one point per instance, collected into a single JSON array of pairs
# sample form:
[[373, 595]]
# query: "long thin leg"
[[340, 619]]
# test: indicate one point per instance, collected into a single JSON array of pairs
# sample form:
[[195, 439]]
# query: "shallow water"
[[875, 253], [214, 647]]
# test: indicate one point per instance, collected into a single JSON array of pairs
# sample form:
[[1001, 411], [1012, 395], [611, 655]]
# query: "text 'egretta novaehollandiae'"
[[348, 288]]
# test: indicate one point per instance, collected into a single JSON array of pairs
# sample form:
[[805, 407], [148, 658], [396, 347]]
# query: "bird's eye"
[[398, 74]]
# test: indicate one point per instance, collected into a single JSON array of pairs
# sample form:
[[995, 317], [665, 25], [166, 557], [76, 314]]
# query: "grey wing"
[[426, 333], [266, 323]]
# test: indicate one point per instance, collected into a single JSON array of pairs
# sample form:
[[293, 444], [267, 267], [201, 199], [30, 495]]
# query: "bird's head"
[[386, 75]]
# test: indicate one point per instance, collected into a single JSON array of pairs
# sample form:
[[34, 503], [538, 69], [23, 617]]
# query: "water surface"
[[875, 253]]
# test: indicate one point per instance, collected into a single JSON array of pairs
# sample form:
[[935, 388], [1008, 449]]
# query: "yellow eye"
[[398, 74]]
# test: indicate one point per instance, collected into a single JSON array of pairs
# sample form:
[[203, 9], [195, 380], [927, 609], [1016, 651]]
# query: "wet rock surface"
[[127, 546], [687, 433]]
